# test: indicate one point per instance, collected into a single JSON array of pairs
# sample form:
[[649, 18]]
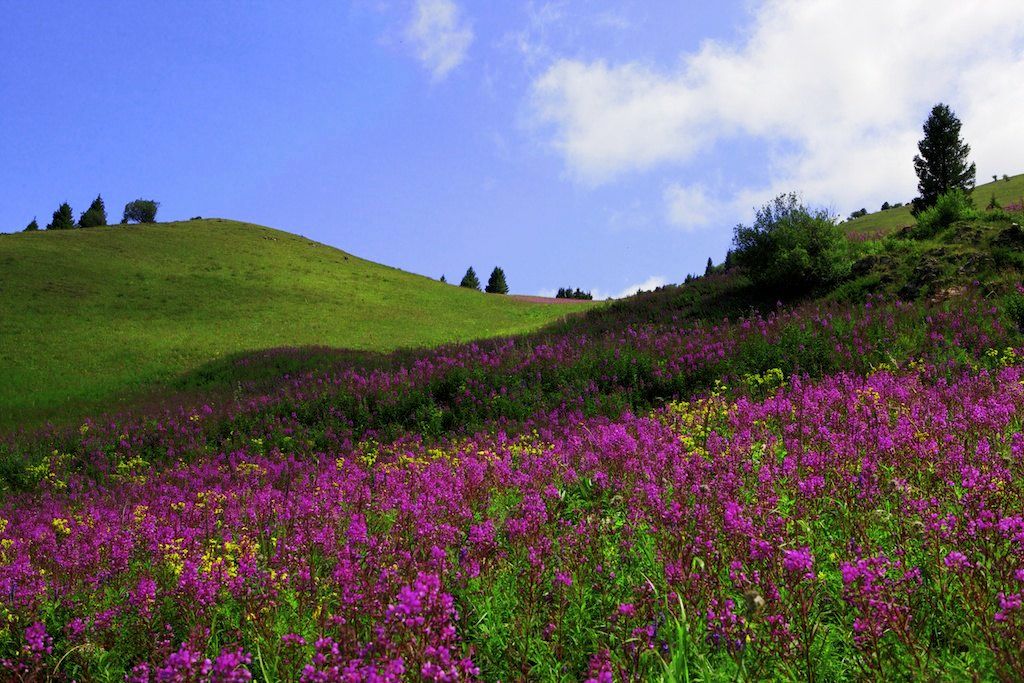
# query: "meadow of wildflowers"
[[827, 493]]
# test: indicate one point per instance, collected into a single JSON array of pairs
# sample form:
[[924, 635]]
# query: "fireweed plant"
[[823, 493]]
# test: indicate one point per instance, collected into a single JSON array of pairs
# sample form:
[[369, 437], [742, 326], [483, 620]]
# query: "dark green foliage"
[[570, 293], [140, 211], [443, 279], [95, 215], [886, 206], [710, 267], [858, 214], [32, 227], [993, 204], [942, 163], [63, 218], [955, 205], [470, 280], [1013, 305], [496, 284], [791, 247]]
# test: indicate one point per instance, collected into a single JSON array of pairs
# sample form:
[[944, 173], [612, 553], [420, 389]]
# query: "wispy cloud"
[[840, 88], [689, 207], [440, 35]]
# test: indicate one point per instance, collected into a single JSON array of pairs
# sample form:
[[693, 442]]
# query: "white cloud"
[[841, 88], [440, 35], [689, 207]]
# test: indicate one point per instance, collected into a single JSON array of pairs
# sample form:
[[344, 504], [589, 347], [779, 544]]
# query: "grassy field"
[[93, 316], [883, 222]]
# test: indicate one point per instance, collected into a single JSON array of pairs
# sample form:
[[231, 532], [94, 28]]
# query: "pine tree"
[[941, 165], [710, 267], [470, 280], [63, 218], [31, 227], [496, 283], [95, 215], [443, 278]]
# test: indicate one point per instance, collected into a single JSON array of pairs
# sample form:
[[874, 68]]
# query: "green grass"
[[885, 222], [92, 317]]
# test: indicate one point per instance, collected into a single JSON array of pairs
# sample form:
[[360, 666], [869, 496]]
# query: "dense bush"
[[32, 227], [140, 211], [955, 205], [791, 247]]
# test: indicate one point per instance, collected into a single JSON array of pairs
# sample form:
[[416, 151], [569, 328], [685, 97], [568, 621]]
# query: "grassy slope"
[[88, 316], [884, 222]]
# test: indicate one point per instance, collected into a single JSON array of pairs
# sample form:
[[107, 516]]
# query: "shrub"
[[63, 218], [140, 211], [791, 247], [32, 227], [1013, 306], [955, 205]]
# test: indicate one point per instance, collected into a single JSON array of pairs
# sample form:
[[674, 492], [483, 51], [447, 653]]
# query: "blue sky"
[[602, 145]]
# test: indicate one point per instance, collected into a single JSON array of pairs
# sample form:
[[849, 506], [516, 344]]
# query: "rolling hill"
[[883, 222], [91, 316]]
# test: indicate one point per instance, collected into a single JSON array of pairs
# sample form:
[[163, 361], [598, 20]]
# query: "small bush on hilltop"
[[955, 205], [32, 227], [791, 247]]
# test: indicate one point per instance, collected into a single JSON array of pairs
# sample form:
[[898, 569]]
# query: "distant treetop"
[[470, 280], [496, 284], [140, 211], [95, 215], [63, 218]]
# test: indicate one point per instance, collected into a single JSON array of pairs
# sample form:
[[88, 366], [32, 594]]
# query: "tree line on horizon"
[[137, 211]]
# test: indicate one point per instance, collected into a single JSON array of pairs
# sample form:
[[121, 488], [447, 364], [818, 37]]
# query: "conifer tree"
[[32, 227], [708, 269], [95, 215], [470, 280], [63, 218], [496, 283], [941, 165]]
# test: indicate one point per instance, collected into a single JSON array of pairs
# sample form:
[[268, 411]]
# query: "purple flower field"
[[827, 493]]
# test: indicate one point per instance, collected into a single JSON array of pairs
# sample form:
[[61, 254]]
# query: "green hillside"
[[91, 316], [884, 222]]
